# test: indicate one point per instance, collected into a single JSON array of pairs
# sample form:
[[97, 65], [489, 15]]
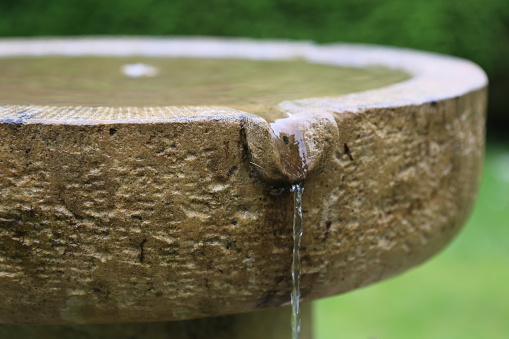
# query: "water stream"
[[298, 190], [294, 157]]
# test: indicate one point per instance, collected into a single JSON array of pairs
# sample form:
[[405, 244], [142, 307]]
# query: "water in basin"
[[249, 85]]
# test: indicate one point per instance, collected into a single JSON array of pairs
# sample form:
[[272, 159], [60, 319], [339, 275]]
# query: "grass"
[[461, 293]]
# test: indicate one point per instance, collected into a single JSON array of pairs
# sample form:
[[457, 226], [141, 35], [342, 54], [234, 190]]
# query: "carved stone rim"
[[434, 77]]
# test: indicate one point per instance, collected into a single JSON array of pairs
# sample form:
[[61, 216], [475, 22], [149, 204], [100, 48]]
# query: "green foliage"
[[474, 29]]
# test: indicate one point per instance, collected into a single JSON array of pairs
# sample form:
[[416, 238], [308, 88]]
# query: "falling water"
[[298, 190], [294, 156]]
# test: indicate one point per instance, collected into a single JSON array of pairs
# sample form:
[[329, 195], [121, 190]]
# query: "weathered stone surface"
[[155, 214]]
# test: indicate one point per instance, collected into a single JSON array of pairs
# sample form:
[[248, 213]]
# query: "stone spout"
[[291, 149]]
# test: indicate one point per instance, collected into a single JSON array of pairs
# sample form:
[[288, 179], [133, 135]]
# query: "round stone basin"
[[147, 179]]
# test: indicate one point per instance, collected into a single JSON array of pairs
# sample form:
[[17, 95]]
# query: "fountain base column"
[[266, 324]]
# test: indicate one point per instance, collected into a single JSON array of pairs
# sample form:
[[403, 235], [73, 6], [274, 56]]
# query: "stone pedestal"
[[266, 324]]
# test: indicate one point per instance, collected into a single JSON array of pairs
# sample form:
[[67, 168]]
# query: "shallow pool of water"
[[140, 81]]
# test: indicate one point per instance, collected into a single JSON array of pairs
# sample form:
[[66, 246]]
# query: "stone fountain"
[[144, 199]]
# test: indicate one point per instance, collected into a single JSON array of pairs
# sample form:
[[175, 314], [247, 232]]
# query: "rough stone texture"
[[125, 215], [397, 190]]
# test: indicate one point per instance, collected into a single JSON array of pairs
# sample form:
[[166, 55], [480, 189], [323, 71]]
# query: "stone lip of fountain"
[[137, 214]]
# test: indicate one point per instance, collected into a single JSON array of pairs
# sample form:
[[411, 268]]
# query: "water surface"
[[141, 81]]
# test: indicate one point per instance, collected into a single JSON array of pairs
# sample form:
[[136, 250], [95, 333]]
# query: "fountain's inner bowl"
[[149, 81]]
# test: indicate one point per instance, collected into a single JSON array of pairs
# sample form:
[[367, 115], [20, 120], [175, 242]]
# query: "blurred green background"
[[463, 292]]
